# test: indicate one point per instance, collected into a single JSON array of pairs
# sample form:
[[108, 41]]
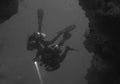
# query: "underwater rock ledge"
[[103, 40], [8, 8]]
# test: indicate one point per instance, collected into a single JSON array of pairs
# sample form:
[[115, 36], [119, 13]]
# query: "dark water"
[[16, 65]]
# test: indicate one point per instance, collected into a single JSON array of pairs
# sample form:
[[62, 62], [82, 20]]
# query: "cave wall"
[[8, 8], [103, 40]]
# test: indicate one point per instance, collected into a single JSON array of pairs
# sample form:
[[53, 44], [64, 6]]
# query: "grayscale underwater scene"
[[59, 42]]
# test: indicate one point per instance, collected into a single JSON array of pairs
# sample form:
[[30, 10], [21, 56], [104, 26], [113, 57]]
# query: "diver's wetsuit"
[[53, 57], [49, 56], [50, 59]]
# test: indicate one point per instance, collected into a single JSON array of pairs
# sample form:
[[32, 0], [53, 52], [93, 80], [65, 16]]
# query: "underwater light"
[[38, 72]]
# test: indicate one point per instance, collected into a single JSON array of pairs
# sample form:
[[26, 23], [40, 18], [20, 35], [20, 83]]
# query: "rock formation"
[[8, 8], [103, 40]]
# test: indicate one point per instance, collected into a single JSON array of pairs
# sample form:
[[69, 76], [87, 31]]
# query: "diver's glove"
[[37, 59]]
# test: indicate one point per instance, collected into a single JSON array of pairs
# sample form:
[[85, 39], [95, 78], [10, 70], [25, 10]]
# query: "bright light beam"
[[38, 71]]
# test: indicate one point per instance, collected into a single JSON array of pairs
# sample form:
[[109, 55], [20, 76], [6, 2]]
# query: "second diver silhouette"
[[49, 55]]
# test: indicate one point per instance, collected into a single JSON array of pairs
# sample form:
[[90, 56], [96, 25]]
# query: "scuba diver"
[[49, 55]]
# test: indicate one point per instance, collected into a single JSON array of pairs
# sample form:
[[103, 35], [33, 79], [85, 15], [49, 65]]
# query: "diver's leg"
[[55, 38], [64, 31], [40, 15], [67, 29], [61, 43], [66, 37], [66, 51]]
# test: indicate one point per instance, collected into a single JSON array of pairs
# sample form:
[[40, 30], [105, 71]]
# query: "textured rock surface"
[[103, 40], [8, 8]]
